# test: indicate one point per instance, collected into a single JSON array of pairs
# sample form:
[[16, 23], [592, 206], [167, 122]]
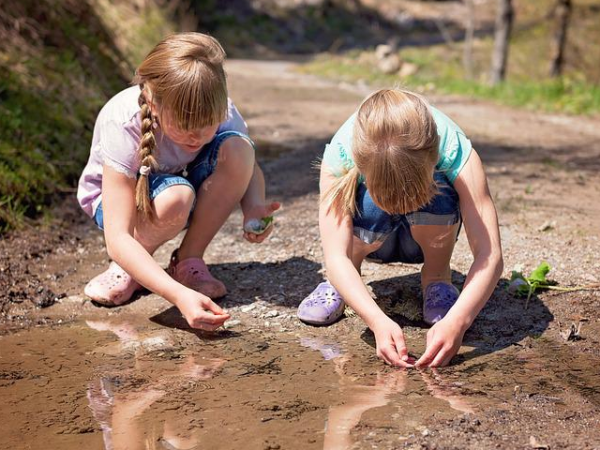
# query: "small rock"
[[533, 442], [547, 225], [272, 313], [248, 308], [573, 333], [231, 324]]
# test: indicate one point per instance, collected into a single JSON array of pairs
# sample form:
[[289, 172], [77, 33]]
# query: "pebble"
[[272, 313], [231, 323], [248, 308]]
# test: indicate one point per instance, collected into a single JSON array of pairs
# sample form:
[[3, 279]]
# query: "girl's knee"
[[364, 247], [236, 153], [175, 202], [434, 233]]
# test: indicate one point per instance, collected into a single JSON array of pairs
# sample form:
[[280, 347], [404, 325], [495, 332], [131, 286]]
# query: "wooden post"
[[468, 44], [562, 15], [504, 23]]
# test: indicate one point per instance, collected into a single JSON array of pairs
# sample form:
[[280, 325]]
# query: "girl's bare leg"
[[218, 196], [172, 207], [437, 243], [360, 250]]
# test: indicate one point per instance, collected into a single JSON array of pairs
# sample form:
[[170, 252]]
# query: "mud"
[[129, 382], [73, 375]]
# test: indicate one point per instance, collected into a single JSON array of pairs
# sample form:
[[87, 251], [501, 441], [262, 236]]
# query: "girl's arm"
[[120, 212], [254, 206], [336, 239], [481, 225]]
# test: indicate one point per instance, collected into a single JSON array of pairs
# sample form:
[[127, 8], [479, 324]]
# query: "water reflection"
[[359, 397], [118, 401]]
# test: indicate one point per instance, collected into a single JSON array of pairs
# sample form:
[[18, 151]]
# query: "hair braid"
[[145, 151]]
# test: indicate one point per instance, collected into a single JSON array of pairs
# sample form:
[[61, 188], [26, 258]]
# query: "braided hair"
[[183, 77]]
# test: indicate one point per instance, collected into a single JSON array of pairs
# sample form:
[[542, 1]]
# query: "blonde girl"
[[169, 152], [397, 181]]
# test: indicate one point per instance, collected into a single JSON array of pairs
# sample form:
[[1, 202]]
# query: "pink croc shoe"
[[113, 287], [193, 273]]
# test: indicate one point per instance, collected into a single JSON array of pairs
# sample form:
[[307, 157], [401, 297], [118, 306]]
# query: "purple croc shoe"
[[323, 306], [438, 298]]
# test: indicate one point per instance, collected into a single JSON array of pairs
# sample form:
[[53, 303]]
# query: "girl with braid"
[[397, 181], [171, 152]]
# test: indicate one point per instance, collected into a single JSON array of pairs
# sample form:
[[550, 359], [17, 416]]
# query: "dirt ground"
[[73, 374]]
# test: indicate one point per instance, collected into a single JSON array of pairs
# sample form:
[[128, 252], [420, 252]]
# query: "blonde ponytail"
[[341, 195]]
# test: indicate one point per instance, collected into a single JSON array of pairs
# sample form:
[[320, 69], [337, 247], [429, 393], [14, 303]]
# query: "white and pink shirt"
[[115, 144]]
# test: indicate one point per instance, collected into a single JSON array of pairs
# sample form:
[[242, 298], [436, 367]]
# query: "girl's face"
[[190, 141]]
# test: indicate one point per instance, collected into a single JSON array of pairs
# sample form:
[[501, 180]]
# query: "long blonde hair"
[[395, 147], [184, 77]]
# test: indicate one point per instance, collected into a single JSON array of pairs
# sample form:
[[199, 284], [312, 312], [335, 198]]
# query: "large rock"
[[408, 69], [383, 51], [390, 64]]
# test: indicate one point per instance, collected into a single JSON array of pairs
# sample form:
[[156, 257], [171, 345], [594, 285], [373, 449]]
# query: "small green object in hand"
[[257, 226]]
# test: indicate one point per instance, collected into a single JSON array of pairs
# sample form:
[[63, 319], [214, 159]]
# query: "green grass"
[[51, 90], [440, 67], [444, 74]]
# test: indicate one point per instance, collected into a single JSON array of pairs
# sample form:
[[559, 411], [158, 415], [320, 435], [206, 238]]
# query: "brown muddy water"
[[133, 383]]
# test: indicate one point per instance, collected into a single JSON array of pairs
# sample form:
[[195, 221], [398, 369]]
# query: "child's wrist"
[[461, 319], [376, 320], [176, 294]]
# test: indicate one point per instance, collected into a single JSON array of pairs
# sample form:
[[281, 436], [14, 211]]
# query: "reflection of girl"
[[359, 398], [396, 181], [118, 412]]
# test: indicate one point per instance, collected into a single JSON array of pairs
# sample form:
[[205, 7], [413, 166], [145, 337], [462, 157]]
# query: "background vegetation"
[[440, 67], [60, 60]]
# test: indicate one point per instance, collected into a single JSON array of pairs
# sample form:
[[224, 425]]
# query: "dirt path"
[[136, 377]]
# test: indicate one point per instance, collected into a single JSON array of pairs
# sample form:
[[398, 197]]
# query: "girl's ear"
[[150, 101]]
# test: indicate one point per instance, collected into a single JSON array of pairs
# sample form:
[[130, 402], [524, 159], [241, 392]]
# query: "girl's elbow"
[[110, 250], [333, 261], [499, 265], [112, 247]]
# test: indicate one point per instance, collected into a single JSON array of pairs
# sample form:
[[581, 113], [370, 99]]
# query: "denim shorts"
[[195, 174], [371, 224]]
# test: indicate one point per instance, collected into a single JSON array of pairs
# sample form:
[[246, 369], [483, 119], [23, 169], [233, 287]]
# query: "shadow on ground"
[[503, 322]]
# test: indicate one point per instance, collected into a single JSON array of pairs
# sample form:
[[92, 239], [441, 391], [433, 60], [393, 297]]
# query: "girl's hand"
[[390, 344], [257, 213], [443, 341], [201, 312]]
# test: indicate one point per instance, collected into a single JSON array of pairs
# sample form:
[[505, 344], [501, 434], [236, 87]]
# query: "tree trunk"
[[504, 22], [469, 33], [562, 15]]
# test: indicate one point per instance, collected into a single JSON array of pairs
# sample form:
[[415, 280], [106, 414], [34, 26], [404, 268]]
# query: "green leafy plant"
[[523, 286]]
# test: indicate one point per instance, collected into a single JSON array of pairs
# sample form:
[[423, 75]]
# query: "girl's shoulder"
[[123, 108], [454, 148], [338, 152]]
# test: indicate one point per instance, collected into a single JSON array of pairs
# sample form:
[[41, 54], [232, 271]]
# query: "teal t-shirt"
[[454, 149]]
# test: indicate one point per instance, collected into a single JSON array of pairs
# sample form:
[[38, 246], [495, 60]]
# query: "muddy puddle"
[[133, 383]]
